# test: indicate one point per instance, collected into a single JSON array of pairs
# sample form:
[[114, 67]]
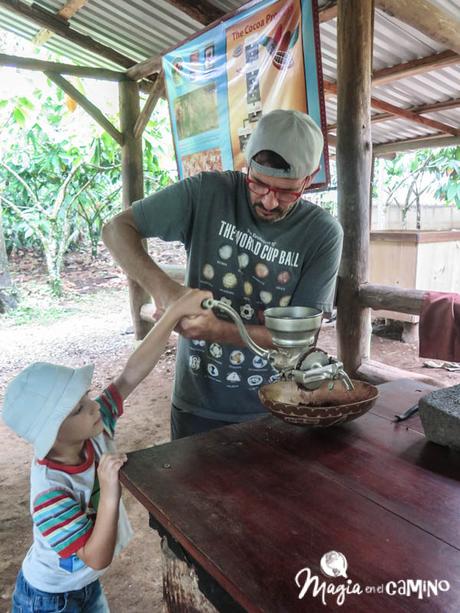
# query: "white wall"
[[432, 218]]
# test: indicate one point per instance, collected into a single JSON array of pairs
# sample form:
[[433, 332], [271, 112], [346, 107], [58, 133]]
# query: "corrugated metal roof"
[[140, 29]]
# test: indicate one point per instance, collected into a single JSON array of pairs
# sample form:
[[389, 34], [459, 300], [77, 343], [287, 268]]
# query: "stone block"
[[440, 415]]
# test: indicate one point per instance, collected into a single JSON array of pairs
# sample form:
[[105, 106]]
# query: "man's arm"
[[206, 326], [124, 242]]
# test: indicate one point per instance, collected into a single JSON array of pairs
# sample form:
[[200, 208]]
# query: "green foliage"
[[60, 182], [433, 173], [446, 169]]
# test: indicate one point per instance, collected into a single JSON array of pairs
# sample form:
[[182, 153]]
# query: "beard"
[[271, 216]]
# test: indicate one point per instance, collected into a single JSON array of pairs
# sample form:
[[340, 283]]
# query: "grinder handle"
[[208, 303]]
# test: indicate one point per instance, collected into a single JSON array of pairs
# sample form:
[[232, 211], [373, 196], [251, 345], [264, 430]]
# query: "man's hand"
[[107, 473], [205, 326]]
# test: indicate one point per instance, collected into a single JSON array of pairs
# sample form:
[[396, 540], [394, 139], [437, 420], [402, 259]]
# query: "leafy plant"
[[59, 182], [423, 174]]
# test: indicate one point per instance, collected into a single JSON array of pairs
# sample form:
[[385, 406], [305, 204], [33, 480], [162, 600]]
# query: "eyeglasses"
[[283, 196]]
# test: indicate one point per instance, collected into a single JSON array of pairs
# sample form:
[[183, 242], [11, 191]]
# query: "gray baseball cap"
[[292, 135]]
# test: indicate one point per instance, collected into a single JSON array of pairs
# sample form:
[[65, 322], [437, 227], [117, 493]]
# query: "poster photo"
[[220, 82]]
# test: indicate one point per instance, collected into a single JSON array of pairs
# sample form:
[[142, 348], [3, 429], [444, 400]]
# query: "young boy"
[[79, 522]]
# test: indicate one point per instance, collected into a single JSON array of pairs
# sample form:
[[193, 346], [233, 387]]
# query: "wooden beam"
[[144, 69], [391, 298], [89, 107], [200, 10], [443, 105], [157, 92], [414, 117], [416, 143], [377, 373], [408, 69], [400, 112], [354, 155], [332, 141], [133, 186], [328, 12], [27, 63], [414, 67], [70, 8], [60, 26], [427, 18]]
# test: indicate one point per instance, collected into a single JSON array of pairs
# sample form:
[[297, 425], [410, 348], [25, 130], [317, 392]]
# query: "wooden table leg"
[[181, 592]]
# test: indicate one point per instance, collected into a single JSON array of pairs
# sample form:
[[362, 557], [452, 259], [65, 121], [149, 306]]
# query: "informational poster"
[[220, 82]]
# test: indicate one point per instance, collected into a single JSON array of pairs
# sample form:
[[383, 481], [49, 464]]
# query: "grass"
[[37, 305]]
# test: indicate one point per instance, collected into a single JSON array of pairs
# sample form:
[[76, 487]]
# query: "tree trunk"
[[5, 280], [7, 300]]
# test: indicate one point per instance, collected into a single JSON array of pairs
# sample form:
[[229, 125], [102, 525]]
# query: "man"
[[252, 242]]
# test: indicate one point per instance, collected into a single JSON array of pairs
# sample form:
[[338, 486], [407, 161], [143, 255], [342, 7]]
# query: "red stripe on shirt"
[[63, 523], [71, 469], [50, 501], [76, 545], [113, 390]]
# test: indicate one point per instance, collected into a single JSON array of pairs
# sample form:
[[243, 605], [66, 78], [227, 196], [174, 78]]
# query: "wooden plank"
[[59, 26], [400, 112], [87, 72], [70, 8], [144, 69], [89, 107], [417, 236], [266, 495], [391, 297], [133, 187], [414, 117], [414, 67], [353, 154], [157, 92], [327, 12], [443, 105], [200, 10], [378, 373], [422, 142], [428, 18]]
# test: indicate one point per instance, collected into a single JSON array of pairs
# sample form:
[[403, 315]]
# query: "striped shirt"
[[64, 501]]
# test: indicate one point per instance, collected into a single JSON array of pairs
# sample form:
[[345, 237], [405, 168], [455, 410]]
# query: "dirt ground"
[[100, 332]]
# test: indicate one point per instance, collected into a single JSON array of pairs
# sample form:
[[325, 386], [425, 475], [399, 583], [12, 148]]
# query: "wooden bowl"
[[321, 407]]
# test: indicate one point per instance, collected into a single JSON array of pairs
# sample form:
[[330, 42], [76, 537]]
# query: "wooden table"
[[256, 503]]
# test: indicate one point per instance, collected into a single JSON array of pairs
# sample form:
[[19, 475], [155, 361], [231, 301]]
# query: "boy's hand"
[[189, 304], [107, 473]]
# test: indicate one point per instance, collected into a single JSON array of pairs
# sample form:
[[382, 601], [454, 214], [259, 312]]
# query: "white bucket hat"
[[292, 135], [39, 399]]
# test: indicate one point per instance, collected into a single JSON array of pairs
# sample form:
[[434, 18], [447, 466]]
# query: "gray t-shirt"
[[247, 262]]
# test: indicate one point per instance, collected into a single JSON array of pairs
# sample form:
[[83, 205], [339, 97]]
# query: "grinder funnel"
[[293, 327]]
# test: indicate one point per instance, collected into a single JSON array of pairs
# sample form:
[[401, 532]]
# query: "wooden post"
[[354, 153], [133, 185]]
